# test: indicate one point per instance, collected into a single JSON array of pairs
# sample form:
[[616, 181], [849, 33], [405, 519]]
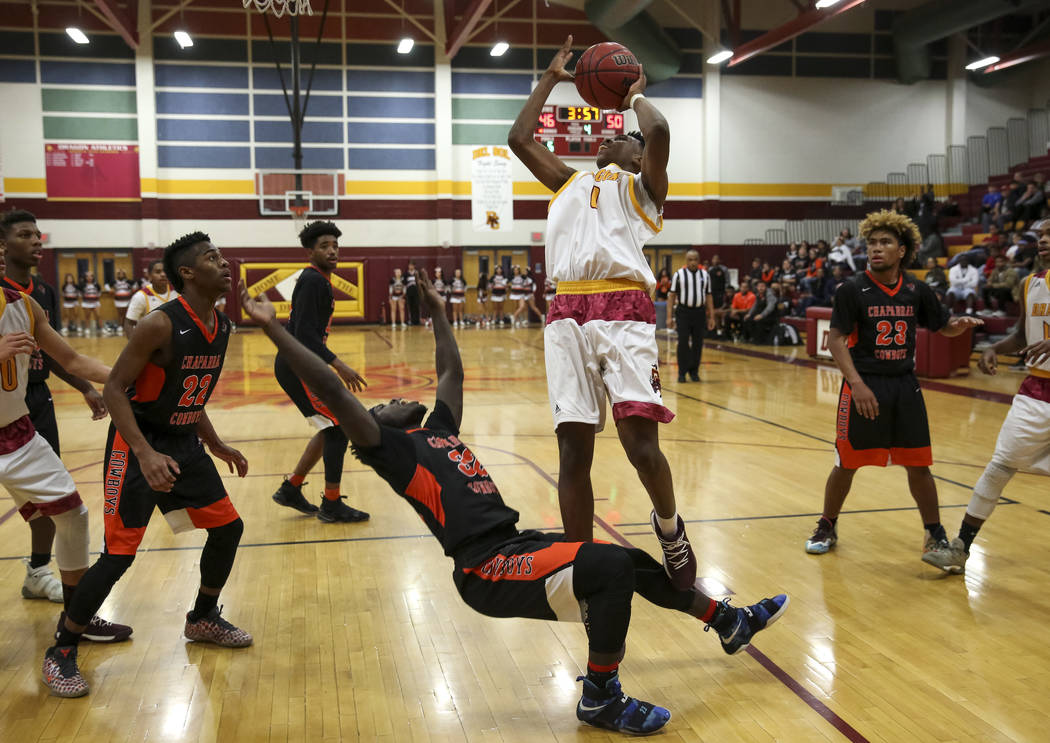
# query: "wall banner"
[[92, 172], [491, 190], [277, 280]]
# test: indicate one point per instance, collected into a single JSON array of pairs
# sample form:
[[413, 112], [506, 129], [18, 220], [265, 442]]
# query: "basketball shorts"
[[596, 359], [32, 473], [900, 433], [42, 413], [530, 576], [309, 404], [198, 500], [1024, 439]]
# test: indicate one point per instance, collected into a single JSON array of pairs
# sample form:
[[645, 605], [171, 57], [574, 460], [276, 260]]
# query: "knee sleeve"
[[219, 553], [335, 443], [988, 489], [96, 584], [71, 538], [603, 578]]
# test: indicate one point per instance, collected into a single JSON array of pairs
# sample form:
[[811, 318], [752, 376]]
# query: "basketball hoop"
[[299, 217], [280, 7]]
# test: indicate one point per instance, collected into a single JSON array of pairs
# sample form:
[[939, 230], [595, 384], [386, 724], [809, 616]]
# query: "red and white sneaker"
[[679, 560], [213, 628], [61, 674], [99, 630]]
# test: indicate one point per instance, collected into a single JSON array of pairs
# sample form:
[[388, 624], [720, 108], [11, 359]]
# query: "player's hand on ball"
[[13, 344], [989, 361], [637, 88], [561, 58], [259, 309], [1036, 353]]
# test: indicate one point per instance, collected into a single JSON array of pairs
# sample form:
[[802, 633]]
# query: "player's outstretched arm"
[[447, 362], [657, 136], [548, 169], [355, 420], [91, 396], [56, 347]]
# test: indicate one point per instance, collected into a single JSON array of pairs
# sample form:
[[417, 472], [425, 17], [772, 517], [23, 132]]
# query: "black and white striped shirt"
[[691, 287]]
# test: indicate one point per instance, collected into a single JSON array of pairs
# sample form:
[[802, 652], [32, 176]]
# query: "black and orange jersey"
[[881, 321], [172, 398], [446, 485], [47, 298], [313, 303]]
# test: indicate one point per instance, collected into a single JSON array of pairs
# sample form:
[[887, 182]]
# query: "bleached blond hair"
[[898, 224]]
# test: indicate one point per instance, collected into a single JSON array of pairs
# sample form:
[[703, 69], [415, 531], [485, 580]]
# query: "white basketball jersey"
[[1037, 316], [15, 317], [597, 224]]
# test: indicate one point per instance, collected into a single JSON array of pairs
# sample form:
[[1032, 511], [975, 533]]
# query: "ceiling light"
[[500, 49], [719, 57], [826, 3], [982, 63], [184, 39], [77, 35], [405, 46]]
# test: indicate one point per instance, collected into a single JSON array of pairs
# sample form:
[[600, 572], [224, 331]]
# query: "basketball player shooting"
[[501, 571], [600, 338]]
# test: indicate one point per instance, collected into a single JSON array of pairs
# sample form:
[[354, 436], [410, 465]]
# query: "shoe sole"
[[65, 694], [328, 519], [104, 638], [222, 644], [308, 511], [819, 549], [949, 569]]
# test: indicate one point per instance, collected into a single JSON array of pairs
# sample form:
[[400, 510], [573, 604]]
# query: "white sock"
[[667, 526]]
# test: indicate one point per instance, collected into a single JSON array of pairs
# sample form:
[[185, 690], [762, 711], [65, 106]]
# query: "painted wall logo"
[[277, 280]]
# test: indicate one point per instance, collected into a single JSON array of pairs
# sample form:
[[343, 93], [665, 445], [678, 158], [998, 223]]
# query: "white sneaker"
[[41, 583]]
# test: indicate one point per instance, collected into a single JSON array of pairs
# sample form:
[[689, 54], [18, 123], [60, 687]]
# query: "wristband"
[[634, 98]]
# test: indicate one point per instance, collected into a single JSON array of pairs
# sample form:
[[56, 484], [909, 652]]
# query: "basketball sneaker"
[[61, 674], [737, 625], [99, 630], [335, 510], [292, 496], [939, 553], [41, 583], [823, 539], [611, 709], [213, 628], [679, 560]]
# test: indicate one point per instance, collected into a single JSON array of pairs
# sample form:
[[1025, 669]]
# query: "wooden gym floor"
[[359, 634]]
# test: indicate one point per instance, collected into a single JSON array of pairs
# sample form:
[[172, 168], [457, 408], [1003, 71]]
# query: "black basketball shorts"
[[307, 402], [900, 434], [42, 413]]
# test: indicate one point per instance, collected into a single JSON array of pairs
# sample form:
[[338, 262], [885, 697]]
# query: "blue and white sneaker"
[[740, 625], [611, 709], [823, 539]]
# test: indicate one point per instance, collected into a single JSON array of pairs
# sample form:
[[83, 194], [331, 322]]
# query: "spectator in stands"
[[932, 247], [743, 301], [975, 256], [1008, 211], [663, 285], [755, 274], [768, 273], [838, 278], [1029, 206], [1027, 252], [792, 252], [718, 275], [803, 254], [762, 317], [990, 207], [936, 278], [816, 292], [926, 212], [786, 272], [963, 280], [989, 265], [899, 206], [1001, 288], [841, 255]]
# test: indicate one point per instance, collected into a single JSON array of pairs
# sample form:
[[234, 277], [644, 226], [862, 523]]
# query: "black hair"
[[638, 136], [154, 262], [178, 254], [311, 232], [12, 217]]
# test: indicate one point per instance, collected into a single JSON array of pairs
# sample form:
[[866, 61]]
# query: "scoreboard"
[[576, 131]]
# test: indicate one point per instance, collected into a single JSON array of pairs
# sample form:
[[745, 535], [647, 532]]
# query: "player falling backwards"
[[155, 455], [600, 338], [499, 570], [881, 417], [1024, 439]]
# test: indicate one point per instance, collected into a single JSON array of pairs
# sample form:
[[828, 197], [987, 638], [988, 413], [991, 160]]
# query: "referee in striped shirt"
[[690, 309]]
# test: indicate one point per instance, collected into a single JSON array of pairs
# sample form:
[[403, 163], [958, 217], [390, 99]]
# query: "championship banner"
[[277, 281], [92, 172], [491, 190]]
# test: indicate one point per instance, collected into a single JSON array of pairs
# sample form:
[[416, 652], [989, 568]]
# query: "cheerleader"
[[121, 290], [483, 300], [458, 289], [71, 303], [517, 294], [550, 289], [530, 296], [90, 292], [440, 286], [397, 299], [498, 289]]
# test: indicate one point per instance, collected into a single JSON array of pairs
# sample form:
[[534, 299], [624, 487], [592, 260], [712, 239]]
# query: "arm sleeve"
[[136, 307], [312, 302], [845, 308], [931, 314]]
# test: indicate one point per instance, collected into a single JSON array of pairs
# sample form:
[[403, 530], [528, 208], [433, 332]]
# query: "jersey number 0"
[[9, 375]]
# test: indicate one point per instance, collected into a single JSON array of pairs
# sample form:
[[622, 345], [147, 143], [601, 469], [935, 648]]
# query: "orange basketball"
[[605, 73]]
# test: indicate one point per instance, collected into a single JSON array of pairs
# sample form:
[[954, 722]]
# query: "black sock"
[[967, 534], [936, 531], [830, 521], [723, 616], [67, 595], [66, 637], [205, 603], [39, 559], [600, 675]]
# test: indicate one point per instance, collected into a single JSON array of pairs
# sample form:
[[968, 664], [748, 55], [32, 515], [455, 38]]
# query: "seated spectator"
[[816, 292], [663, 285], [768, 273], [787, 271], [990, 203], [989, 265], [841, 255], [743, 301], [1008, 211], [936, 278], [838, 278], [1027, 252], [792, 252], [975, 256], [963, 280], [1029, 207], [755, 274], [899, 206], [1000, 288], [761, 319]]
